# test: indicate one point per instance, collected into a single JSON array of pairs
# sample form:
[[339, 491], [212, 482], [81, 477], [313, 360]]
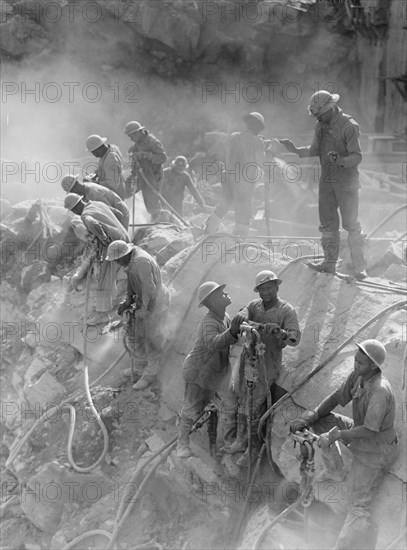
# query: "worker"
[[103, 228], [109, 172], [336, 142], [370, 436], [176, 179], [94, 192], [277, 323], [148, 299], [206, 369], [244, 168], [147, 157]]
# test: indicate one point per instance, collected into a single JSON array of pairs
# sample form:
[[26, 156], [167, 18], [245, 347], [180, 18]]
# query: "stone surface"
[[46, 390]]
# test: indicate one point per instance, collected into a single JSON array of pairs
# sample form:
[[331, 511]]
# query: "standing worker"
[[244, 168], [176, 179], [147, 157], [103, 228], [109, 172], [150, 300], [336, 143], [370, 436], [206, 368], [277, 323], [94, 192]]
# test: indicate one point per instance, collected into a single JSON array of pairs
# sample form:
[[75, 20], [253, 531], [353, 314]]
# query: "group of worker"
[[370, 435]]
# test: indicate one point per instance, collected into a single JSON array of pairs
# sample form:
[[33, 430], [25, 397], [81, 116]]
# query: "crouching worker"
[[277, 323], [370, 436], [148, 300], [207, 369]]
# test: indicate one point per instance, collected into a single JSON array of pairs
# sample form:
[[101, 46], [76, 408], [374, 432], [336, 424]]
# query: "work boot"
[[356, 242], [240, 443], [212, 224], [330, 245], [184, 427], [144, 382]]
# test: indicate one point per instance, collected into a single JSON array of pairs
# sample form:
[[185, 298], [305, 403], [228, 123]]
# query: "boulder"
[[44, 391]]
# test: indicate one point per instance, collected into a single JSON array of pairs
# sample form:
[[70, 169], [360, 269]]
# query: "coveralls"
[[373, 406], [285, 316], [152, 170], [95, 192], [109, 172], [145, 288], [174, 187], [338, 186], [207, 372], [103, 224], [244, 168]]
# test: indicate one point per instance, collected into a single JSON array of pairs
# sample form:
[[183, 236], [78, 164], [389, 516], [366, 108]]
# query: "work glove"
[[335, 158], [235, 325], [306, 419], [327, 439], [122, 307], [289, 145]]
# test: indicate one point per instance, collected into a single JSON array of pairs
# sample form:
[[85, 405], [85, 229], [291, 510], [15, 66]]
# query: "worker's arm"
[[291, 326], [96, 228], [158, 155], [148, 286], [213, 339], [111, 171], [192, 189], [351, 138], [310, 150]]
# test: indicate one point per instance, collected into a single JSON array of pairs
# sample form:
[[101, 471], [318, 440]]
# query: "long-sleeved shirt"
[[103, 224], [174, 187], [109, 172], [153, 168], [374, 407], [245, 162], [208, 363], [96, 192], [144, 280], [285, 316], [341, 134]]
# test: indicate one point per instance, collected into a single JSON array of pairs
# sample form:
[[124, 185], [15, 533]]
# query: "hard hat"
[[257, 116], [321, 102], [118, 249], [68, 182], [180, 161], [374, 350], [264, 277], [206, 289], [71, 200], [94, 142], [132, 127]]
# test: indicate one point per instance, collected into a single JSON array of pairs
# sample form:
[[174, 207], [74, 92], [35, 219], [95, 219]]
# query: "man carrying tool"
[[147, 157], [176, 179], [336, 143], [244, 168], [94, 192], [148, 300], [103, 228], [277, 323], [206, 368], [109, 172], [370, 436]]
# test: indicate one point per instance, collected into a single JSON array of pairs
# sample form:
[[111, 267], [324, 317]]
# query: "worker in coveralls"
[[207, 370], [103, 227], [176, 180], [148, 300], [370, 436], [277, 323], [336, 142], [109, 172], [94, 192], [147, 156], [244, 168]]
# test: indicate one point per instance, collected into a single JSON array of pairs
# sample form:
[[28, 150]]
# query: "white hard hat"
[[257, 116], [118, 249], [180, 160], [71, 200], [264, 277], [94, 142], [206, 289], [374, 350], [321, 102], [132, 127], [68, 182]]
